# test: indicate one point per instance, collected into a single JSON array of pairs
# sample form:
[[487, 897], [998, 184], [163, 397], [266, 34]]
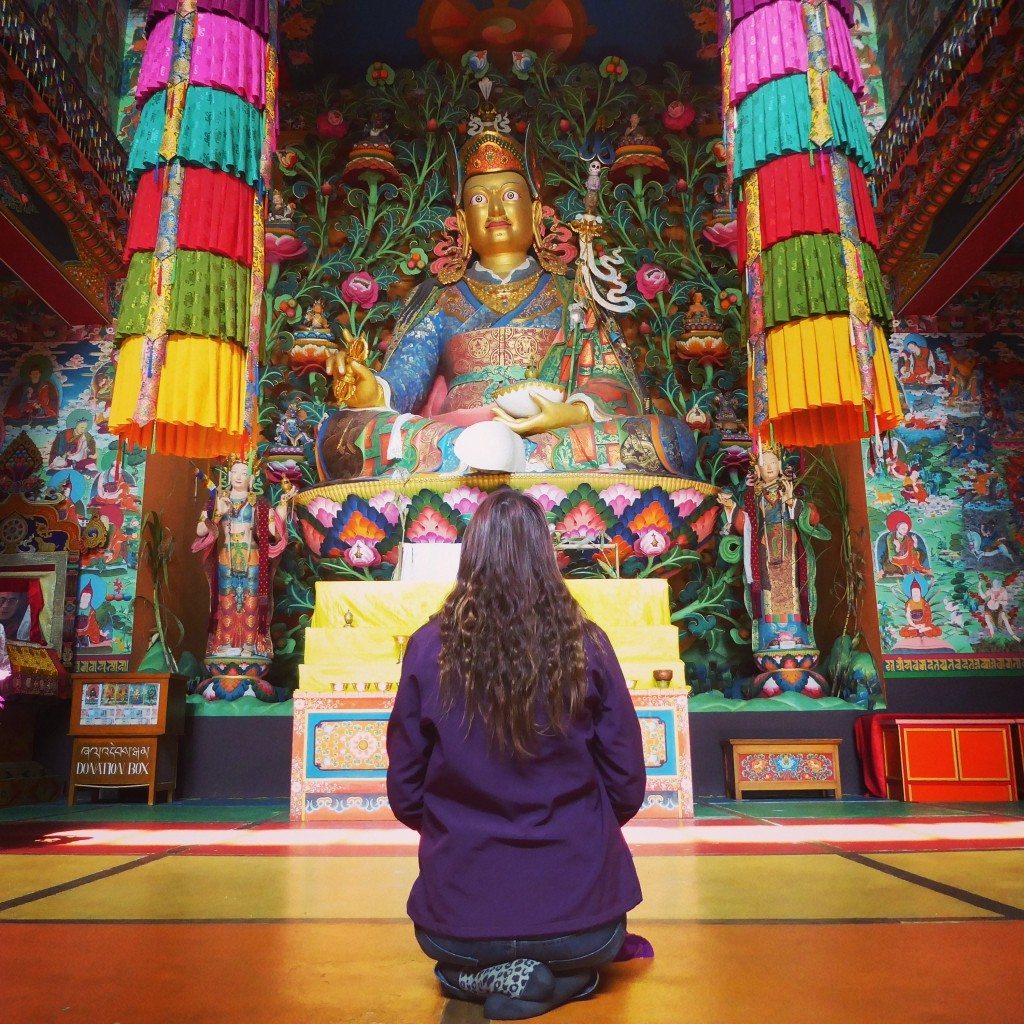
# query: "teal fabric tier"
[[775, 121], [218, 129]]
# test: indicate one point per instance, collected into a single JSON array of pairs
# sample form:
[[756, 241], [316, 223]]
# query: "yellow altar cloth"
[[365, 656]]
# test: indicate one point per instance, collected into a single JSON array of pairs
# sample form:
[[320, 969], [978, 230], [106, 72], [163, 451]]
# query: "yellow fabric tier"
[[329, 646], [199, 404], [401, 608], [814, 387], [363, 657]]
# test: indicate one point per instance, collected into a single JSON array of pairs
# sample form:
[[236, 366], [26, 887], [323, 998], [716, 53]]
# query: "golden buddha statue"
[[501, 362]]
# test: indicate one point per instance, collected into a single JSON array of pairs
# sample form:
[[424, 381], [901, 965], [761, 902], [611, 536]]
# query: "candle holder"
[[401, 642]]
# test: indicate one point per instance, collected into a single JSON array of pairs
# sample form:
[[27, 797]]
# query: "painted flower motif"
[[390, 505], [619, 497], [522, 63], [361, 554], [651, 280], [546, 495], [706, 349], [288, 159], [582, 523], [678, 116], [736, 459], [323, 510], [464, 500], [280, 470], [725, 236], [476, 61], [651, 542], [704, 525], [331, 125], [279, 248], [614, 67], [415, 263], [430, 527], [313, 537], [380, 73], [297, 26], [686, 500], [360, 288]]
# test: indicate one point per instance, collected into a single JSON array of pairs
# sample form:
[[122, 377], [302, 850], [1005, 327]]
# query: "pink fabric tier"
[[226, 55], [744, 8], [771, 43], [254, 13], [841, 52]]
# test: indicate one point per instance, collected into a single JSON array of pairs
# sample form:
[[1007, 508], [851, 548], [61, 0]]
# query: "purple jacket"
[[516, 849]]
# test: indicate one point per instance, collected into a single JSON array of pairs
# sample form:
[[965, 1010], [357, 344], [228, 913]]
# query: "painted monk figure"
[[484, 324]]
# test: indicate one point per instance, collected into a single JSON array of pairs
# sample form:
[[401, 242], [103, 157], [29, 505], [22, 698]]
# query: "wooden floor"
[[794, 912]]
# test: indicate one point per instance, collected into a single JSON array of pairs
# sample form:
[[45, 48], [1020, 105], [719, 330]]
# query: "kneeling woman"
[[515, 752]]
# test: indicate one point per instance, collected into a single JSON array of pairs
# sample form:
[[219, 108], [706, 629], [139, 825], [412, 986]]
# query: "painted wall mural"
[[905, 28], [946, 507], [83, 31], [57, 382]]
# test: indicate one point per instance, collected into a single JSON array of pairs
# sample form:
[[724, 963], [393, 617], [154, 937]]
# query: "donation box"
[[126, 730]]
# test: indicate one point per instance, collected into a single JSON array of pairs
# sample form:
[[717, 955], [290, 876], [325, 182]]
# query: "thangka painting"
[[56, 386], [946, 507]]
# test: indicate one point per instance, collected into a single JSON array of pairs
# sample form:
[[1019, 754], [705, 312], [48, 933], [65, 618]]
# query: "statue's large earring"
[[453, 251], [555, 250]]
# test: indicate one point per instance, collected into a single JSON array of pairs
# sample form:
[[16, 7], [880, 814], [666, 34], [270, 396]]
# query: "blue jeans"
[[564, 954]]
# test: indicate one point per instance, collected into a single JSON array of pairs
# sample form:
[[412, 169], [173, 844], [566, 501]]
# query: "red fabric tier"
[[215, 216], [797, 197], [863, 207]]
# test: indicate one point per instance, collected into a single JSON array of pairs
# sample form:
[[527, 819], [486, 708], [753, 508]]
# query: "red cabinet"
[[949, 759]]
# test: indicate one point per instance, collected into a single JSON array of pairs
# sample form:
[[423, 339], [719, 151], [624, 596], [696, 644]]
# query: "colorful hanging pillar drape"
[[818, 317], [190, 323]]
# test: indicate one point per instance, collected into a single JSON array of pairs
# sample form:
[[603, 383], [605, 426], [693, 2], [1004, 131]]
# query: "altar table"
[[353, 663]]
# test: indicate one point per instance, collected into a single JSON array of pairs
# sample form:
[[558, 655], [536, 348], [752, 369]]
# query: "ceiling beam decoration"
[[947, 204], [61, 144]]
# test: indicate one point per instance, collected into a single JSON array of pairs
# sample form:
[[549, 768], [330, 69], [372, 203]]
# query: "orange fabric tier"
[[216, 214], [199, 412], [815, 395]]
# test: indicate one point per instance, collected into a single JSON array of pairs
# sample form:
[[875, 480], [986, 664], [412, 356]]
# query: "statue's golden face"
[[499, 214]]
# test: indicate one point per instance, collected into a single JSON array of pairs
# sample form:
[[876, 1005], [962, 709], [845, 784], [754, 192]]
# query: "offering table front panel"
[[339, 760]]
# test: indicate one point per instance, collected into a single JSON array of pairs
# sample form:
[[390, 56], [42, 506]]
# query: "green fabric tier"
[[775, 120], [804, 276], [209, 296], [218, 129]]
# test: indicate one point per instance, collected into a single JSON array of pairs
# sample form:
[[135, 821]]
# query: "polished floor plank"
[[22, 874], [997, 874], [373, 973]]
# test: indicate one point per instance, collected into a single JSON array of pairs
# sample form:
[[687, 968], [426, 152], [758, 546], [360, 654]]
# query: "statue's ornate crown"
[[491, 150], [490, 147]]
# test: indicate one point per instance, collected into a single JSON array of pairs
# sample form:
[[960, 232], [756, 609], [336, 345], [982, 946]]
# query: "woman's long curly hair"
[[511, 633]]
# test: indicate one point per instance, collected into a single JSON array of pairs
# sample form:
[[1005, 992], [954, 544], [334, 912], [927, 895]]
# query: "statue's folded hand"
[[552, 415]]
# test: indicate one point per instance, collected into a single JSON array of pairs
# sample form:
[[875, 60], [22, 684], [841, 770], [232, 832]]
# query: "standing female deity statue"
[[500, 316], [240, 535], [778, 569]]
